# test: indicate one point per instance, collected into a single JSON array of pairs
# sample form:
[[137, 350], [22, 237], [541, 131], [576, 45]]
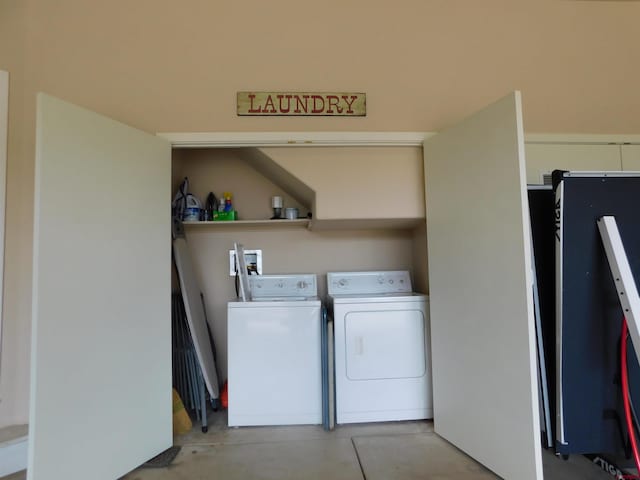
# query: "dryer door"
[[385, 344]]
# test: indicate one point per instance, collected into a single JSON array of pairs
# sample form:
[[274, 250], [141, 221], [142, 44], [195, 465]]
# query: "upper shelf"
[[301, 222], [345, 224]]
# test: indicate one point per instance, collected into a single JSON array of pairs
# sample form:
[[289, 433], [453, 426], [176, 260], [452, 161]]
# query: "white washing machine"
[[274, 358], [382, 347]]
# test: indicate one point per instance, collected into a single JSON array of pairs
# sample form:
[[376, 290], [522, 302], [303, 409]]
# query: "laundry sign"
[[337, 104]]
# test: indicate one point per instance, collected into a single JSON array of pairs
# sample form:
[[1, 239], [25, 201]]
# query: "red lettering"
[[333, 102], [251, 109], [282, 109], [300, 104], [269, 103], [317, 109], [349, 103]]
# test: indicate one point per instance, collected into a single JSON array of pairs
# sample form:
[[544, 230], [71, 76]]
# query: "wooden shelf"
[[334, 224], [301, 222]]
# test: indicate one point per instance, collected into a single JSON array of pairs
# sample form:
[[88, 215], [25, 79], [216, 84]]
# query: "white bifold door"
[[101, 339], [482, 324]]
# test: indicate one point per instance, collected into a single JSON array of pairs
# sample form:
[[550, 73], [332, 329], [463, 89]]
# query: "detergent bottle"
[[211, 205], [228, 204], [192, 208]]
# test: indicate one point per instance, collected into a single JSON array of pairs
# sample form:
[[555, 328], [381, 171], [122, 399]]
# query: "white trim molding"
[[295, 139], [4, 129], [582, 138], [361, 139], [13, 449]]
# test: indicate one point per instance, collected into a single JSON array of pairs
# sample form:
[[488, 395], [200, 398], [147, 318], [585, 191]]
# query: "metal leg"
[[203, 405]]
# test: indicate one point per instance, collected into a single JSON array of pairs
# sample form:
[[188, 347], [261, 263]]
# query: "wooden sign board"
[[302, 104]]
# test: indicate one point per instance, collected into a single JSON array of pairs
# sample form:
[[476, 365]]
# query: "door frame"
[[295, 139], [362, 139]]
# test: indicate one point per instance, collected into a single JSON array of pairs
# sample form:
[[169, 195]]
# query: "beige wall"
[[359, 182], [175, 66], [14, 366]]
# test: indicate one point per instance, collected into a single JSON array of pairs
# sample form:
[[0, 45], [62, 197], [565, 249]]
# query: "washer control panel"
[[365, 283], [279, 286]]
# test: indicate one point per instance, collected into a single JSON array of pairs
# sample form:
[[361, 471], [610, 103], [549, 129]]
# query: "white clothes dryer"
[[382, 347]]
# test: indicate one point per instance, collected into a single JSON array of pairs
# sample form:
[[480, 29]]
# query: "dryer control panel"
[[366, 283]]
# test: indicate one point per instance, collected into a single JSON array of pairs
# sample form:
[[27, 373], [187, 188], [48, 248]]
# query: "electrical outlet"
[[253, 259]]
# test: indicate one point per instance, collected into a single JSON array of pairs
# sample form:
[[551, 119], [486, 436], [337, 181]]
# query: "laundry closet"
[[102, 271], [355, 237]]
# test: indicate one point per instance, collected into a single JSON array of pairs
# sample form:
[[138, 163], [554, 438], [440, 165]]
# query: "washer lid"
[[272, 302]]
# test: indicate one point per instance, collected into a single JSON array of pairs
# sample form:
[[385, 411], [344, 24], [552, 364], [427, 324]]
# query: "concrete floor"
[[378, 451], [375, 451]]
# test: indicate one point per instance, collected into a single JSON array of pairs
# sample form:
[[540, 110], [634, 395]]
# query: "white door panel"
[[101, 336], [482, 325]]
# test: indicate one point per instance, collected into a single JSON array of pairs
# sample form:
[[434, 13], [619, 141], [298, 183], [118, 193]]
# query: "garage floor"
[[389, 451], [377, 451]]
